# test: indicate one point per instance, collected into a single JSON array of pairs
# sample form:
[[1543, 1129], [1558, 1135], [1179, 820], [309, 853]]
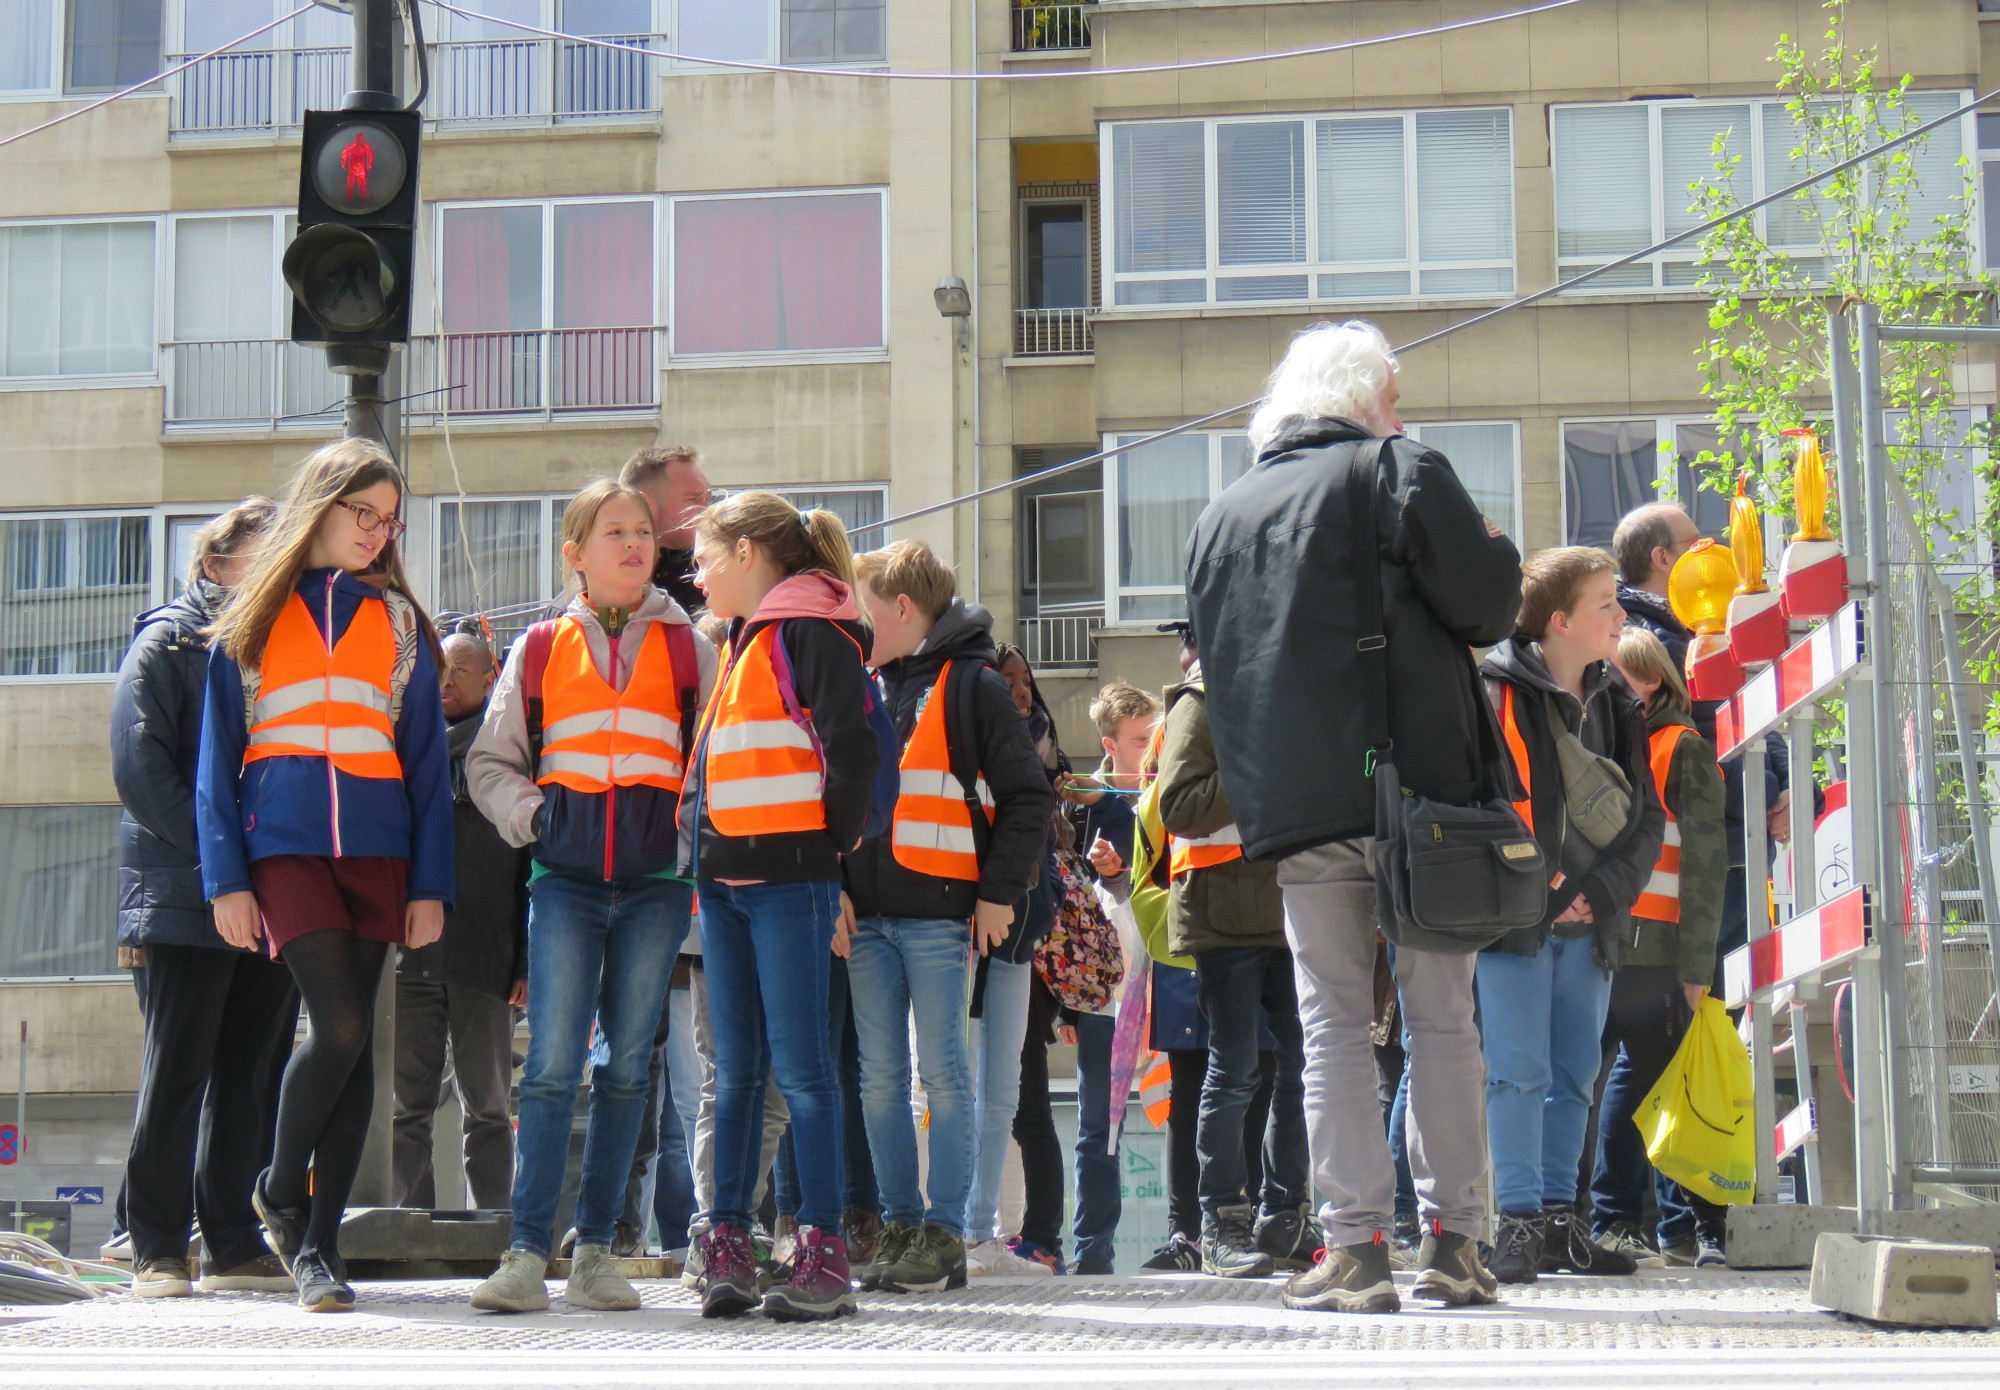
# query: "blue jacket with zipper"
[[296, 805]]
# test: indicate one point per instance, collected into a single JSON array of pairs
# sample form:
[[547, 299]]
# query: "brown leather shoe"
[[864, 1233]]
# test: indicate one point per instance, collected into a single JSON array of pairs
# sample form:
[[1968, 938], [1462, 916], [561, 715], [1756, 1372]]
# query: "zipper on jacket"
[[611, 763], [326, 727]]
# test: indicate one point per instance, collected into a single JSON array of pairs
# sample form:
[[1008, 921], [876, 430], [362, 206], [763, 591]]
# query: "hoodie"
[[822, 631], [1611, 724], [1006, 757]]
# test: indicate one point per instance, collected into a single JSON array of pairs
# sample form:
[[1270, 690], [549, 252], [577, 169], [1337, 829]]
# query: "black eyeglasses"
[[368, 519]]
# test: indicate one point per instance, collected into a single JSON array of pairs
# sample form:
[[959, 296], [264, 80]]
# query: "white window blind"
[[1158, 182], [512, 552], [27, 35], [224, 283], [58, 891], [737, 30], [1363, 212], [1485, 457], [69, 586], [1260, 193], [1687, 156], [1465, 200], [1155, 496], [1603, 182], [76, 299]]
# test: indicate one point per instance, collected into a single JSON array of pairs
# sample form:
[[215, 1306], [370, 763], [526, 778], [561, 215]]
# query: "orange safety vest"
[[317, 698], [1203, 851], [762, 771], [1661, 899], [1518, 747], [933, 826], [594, 736]]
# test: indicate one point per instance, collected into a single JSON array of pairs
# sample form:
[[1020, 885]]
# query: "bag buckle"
[[1373, 756], [1371, 644]]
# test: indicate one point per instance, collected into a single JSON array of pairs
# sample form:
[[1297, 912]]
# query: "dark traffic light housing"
[[351, 266]]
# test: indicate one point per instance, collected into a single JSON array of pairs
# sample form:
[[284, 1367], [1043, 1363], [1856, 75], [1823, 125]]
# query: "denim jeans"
[[1099, 1193], [672, 1199], [858, 1189], [767, 953], [1542, 1020], [1241, 988], [994, 1058], [904, 966], [593, 948]]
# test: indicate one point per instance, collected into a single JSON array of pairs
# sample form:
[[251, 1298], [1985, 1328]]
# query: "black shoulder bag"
[[1449, 879]]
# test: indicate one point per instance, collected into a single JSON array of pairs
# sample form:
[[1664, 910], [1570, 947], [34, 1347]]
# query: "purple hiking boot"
[[816, 1282]]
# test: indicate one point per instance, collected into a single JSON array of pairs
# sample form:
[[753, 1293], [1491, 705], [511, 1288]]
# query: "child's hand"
[[519, 997], [1105, 859], [237, 918], [843, 928], [990, 922], [1577, 911], [1066, 1034], [1079, 791], [423, 923]]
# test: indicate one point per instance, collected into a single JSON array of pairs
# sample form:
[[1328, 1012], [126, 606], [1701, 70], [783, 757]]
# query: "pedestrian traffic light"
[[351, 264]]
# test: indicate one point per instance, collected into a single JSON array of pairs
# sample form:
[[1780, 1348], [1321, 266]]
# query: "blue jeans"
[[1241, 986], [1099, 1195], [995, 1057], [859, 1186], [766, 949], [900, 966], [606, 949], [1542, 1025]]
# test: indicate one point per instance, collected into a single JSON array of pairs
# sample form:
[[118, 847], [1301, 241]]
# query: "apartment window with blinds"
[[58, 891], [1153, 497], [1487, 458], [69, 587], [1372, 205], [76, 299], [1624, 171], [792, 274]]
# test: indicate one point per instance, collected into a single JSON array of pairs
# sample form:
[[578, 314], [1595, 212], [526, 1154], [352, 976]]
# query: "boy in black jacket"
[[942, 880]]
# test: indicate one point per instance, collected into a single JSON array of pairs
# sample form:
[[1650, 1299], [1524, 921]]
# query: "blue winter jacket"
[[285, 805]]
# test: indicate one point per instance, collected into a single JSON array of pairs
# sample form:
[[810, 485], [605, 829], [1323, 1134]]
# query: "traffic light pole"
[[377, 70]]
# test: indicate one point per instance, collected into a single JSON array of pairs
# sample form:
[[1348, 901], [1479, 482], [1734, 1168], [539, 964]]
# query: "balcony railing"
[[535, 375], [472, 83], [1051, 28], [1062, 642], [1052, 332]]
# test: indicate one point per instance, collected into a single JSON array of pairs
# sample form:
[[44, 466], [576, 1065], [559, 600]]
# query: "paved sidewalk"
[[1704, 1329]]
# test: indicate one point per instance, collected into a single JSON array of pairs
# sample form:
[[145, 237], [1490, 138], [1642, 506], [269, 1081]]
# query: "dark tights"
[[329, 1086]]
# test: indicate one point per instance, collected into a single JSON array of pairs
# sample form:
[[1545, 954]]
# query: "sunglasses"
[[370, 520]]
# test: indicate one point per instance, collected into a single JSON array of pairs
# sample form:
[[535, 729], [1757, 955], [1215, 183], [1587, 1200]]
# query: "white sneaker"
[[117, 1251], [990, 1259]]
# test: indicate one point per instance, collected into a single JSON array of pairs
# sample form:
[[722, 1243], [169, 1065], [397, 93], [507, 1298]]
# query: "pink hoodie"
[[811, 595]]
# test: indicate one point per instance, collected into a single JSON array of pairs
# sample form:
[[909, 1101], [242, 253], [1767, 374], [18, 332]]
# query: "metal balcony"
[[1052, 332], [1064, 641], [1051, 28]]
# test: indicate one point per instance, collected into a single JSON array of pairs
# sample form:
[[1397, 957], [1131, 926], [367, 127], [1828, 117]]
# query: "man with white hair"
[[1275, 600]]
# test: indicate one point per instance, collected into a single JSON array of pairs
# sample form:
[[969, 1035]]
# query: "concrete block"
[[632, 1267], [402, 1233], [1911, 1283], [1781, 1235]]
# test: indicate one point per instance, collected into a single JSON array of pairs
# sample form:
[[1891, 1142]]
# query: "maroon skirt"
[[298, 894]]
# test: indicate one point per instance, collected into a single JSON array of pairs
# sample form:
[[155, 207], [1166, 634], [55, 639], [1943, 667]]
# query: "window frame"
[[431, 568], [88, 381], [170, 23], [1312, 268], [1414, 430]]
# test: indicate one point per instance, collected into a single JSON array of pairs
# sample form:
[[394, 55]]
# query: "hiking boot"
[[1517, 1247], [263, 1274], [933, 1260], [322, 1289], [284, 1227], [991, 1259], [816, 1284], [1449, 1271], [1708, 1252], [517, 1286], [1229, 1246], [863, 1230], [1347, 1279], [889, 1248], [1026, 1249], [1568, 1245], [596, 1284], [1179, 1255], [165, 1277], [729, 1272], [1291, 1238], [1625, 1238]]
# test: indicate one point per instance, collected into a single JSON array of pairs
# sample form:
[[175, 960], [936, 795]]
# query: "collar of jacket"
[[1667, 717], [653, 607], [1300, 432], [1191, 681], [192, 611], [1652, 607], [1519, 662], [963, 631]]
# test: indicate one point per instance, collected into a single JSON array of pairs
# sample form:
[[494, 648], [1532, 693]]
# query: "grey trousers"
[[1330, 922], [777, 1118], [478, 1031]]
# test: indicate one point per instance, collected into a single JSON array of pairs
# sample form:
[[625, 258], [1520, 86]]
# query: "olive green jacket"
[[1696, 801]]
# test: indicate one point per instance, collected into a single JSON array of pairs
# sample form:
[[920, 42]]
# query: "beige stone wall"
[[83, 1038]]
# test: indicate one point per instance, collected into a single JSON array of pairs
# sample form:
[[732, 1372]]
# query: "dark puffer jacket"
[[155, 744]]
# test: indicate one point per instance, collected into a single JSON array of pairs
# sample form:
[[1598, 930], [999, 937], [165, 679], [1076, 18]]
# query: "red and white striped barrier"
[[1795, 1129], [1834, 932], [1809, 670]]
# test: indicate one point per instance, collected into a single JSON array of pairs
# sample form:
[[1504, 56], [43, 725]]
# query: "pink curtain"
[[604, 286], [477, 299], [830, 272], [725, 293], [778, 274]]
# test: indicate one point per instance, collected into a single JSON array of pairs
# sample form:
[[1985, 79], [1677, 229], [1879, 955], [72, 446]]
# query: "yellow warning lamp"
[[1809, 488], [1756, 614], [1746, 541], [1813, 577], [1699, 589]]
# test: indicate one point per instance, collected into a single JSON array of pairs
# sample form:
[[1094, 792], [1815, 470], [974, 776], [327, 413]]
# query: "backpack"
[[537, 641], [875, 706], [1081, 960]]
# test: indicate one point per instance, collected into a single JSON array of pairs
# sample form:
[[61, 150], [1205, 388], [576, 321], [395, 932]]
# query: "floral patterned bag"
[[1081, 960]]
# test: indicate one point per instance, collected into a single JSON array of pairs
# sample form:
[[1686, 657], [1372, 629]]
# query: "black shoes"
[[1179, 1255], [322, 1287], [1229, 1245], [1517, 1247], [1292, 1238], [284, 1227], [1568, 1247]]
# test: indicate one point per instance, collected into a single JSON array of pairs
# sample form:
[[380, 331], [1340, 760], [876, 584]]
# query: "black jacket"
[[1612, 724], [1022, 799], [155, 742], [1273, 598], [674, 572], [485, 941]]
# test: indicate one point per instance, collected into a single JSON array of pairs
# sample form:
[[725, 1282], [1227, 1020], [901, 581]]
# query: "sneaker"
[[1624, 1237], [1567, 1244], [990, 1259], [888, 1249], [1517, 1247], [729, 1272], [284, 1227], [1450, 1273], [321, 1287], [1229, 1246], [1179, 1255], [1050, 1260], [263, 1274], [933, 1259], [691, 1261], [117, 1250], [863, 1230], [1347, 1279], [516, 1287], [164, 1278], [816, 1284], [1291, 1238], [595, 1283], [1680, 1254], [1708, 1252]]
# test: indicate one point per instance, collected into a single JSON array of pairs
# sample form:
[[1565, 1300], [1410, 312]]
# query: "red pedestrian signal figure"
[[356, 159]]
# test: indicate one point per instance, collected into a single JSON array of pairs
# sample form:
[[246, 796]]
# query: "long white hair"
[[1330, 369]]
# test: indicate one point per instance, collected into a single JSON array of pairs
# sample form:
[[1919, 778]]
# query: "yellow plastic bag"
[[1698, 1120]]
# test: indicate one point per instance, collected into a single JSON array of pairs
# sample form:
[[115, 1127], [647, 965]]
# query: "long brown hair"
[[326, 475], [801, 543]]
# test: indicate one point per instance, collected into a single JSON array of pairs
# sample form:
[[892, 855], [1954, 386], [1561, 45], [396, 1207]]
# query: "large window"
[[1613, 466], [112, 43], [808, 33], [58, 890], [1487, 458], [778, 274], [69, 587], [1373, 205], [501, 556], [1624, 170], [1153, 497], [76, 299]]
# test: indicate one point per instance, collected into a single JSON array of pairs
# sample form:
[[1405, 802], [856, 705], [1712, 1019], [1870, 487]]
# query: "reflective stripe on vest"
[[933, 828], [1156, 1086], [1661, 899], [762, 774], [1191, 852], [316, 703], [1518, 748], [594, 736]]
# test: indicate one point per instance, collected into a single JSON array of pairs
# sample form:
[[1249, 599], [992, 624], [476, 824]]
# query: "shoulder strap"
[[1364, 471], [687, 680], [535, 644], [961, 735]]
